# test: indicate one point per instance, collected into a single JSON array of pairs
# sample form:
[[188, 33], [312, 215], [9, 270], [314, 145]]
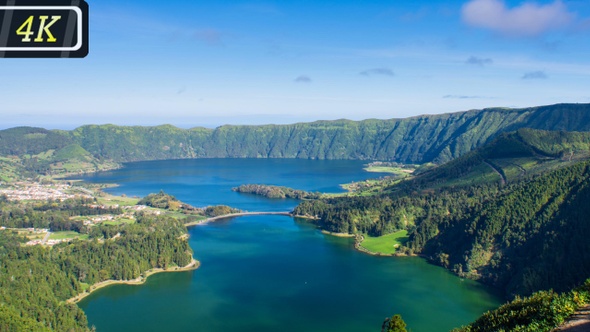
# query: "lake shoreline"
[[193, 265], [338, 234]]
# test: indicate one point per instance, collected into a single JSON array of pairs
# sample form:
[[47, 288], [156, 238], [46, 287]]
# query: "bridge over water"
[[241, 214]]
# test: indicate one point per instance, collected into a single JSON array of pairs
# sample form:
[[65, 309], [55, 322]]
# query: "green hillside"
[[421, 139], [23, 141], [509, 157], [526, 233]]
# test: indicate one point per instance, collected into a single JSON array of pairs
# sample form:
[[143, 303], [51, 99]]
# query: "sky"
[[205, 63]]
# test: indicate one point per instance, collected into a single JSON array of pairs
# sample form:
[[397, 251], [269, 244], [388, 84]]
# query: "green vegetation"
[[10, 170], [394, 324], [220, 210], [387, 169], [509, 234], [543, 311], [161, 200], [390, 167], [423, 139], [107, 199], [275, 191], [173, 206], [64, 235], [385, 244], [369, 187], [36, 281], [119, 221], [55, 215], [508, 158]]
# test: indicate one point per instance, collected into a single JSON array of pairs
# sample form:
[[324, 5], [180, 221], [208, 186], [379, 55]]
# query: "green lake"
[[275, 273]]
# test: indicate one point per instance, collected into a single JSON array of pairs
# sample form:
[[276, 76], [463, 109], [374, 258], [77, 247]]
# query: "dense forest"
[[522, 235], [428, 138], [35, 281]]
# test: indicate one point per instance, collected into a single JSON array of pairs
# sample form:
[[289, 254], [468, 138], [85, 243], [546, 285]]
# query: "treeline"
[[53, 214], [35, 281], [220, 210], [421, 139], [161, 200], [522, 237], [275, 191]]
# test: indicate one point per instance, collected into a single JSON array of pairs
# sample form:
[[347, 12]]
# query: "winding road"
[[502, 177]]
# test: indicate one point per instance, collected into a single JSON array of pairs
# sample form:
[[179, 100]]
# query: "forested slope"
[[420, 139], [523, 235], [35, 281]]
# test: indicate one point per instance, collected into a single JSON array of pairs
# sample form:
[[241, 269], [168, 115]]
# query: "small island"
[[276, 192]]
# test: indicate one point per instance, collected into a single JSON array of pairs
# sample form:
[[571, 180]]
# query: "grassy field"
[[84, 286], [30, 235], [9, 171], [368, 187], [481, 173], [121, 201], [67, 235], [389, 169], [119, 221], [385, 244]]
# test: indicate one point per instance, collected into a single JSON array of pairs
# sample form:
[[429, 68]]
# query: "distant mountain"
[[427, 138], [26, 152], [31, 141]]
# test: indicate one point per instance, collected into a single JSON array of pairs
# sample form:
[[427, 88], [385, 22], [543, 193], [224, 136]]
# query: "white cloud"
[[527, 20]]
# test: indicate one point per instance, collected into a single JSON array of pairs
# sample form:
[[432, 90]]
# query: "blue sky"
[[203, 63]]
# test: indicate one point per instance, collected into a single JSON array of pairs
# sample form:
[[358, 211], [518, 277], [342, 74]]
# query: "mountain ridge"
[[419, 139]]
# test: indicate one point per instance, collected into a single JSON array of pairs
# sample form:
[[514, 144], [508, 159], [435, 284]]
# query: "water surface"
[[275, 273], [204, 182]]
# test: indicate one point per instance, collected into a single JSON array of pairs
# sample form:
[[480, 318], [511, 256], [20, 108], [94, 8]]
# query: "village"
[[20, 191], [32, 191]]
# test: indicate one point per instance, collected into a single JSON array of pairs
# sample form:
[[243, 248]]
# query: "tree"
[[394, 324]]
